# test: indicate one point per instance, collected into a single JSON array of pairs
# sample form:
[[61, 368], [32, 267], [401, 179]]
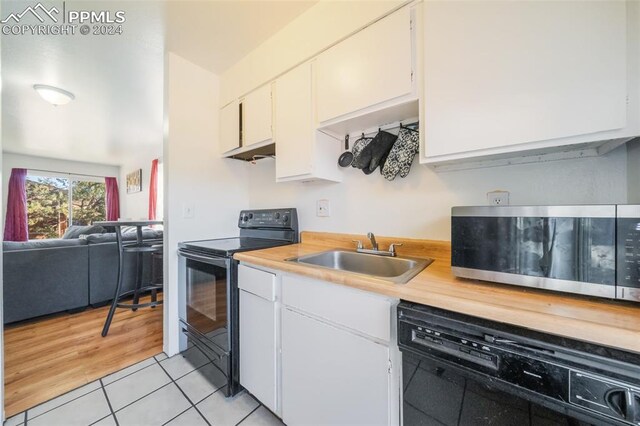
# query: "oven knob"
[[285, 218], [277, 216], [250, 215], [245, 218]]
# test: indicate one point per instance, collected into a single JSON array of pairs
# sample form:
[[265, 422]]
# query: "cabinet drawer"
[[359, 310], [258, 282]]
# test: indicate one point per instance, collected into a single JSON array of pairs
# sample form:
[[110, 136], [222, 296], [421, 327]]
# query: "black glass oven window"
[[206, 297], [629, 252], [574, 249], [435, 394]]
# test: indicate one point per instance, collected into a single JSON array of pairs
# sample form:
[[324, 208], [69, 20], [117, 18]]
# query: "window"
[[88, 202], [47, 206], [55, 202]]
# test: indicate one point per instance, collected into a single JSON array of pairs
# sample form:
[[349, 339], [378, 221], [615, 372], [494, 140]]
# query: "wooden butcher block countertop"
[[609, 323]]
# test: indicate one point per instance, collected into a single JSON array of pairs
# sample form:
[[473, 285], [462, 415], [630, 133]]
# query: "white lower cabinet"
[[318, 353], [339, 357], [258, 335], [331, 376]]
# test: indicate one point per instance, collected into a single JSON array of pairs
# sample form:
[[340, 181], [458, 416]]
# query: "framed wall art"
[[134, 181]]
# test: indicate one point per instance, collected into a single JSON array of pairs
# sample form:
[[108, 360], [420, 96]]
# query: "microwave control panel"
[[628, 247]]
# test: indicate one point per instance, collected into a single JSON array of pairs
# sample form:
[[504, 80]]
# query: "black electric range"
[[209, 297], [226, 247]]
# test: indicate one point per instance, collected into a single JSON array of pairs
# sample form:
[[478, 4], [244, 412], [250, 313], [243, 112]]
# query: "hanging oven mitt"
[[401, 155], [374, 154], [358, 146]]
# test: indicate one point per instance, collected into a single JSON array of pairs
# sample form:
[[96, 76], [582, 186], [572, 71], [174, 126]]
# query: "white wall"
[[2, 191], [322, 25], [633, 171], [194, 174], [136, 205], [419, 206], [10, 161]]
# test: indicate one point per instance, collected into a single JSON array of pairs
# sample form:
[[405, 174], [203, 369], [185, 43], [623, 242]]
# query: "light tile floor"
[[184, 390]]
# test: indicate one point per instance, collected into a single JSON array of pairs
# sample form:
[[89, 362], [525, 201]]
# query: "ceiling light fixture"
[[54, 95]]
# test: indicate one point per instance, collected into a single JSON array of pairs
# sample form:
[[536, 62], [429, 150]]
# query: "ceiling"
[[217, 34], [118, 79]]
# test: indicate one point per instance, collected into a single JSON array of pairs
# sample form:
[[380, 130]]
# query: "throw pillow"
[[74, 231]]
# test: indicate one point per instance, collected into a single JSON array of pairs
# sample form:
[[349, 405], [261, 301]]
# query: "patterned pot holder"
[[358, 146], [401, 155]]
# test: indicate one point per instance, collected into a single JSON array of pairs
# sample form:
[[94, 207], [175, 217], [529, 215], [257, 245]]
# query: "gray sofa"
[[43, 277]]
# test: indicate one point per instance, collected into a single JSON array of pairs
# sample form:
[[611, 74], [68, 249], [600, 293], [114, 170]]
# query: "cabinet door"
[[258, 348], [503, 73], [229, 128], [294, 123], [330, 376], [372, 66], [256, 115]]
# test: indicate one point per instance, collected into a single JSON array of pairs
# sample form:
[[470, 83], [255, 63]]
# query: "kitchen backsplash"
[[419, 206]]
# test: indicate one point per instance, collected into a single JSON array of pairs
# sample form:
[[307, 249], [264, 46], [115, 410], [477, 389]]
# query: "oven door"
[[437, 393], [205, 308]]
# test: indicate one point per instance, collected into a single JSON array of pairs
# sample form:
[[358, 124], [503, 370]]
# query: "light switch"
[[187, 211]]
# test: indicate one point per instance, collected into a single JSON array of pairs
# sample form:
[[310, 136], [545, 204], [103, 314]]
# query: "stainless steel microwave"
[[592, 249]]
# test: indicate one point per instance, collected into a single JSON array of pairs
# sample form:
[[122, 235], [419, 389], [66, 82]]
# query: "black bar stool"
[[139, 248]]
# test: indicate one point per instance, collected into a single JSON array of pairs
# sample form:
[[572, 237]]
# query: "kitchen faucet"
[[374, 243], [374, 247]]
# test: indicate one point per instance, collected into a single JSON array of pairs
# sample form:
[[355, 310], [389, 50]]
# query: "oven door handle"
[[216, 261]]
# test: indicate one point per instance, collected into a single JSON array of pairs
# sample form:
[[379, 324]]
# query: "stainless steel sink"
[[395, 269]]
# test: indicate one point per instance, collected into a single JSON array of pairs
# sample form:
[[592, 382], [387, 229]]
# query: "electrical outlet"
[[498, 198], [323, 208], [187, 211]]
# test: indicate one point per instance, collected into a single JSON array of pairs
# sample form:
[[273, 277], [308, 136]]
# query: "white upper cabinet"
[[508, 76], [368, 68], [302, 153], [257, 116], [294, 123], [229, 127]]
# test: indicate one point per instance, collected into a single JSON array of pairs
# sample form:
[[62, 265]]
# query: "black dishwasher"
[[465, 371]]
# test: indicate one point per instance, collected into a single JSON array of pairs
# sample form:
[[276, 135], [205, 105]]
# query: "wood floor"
[[49, 357]]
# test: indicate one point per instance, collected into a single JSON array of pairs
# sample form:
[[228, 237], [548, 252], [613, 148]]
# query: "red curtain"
[[16, 226], [113, 198], [153, 190]]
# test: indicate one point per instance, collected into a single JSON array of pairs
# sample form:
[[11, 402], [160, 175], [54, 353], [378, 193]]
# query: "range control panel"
[[628, 252], [271, 218]]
